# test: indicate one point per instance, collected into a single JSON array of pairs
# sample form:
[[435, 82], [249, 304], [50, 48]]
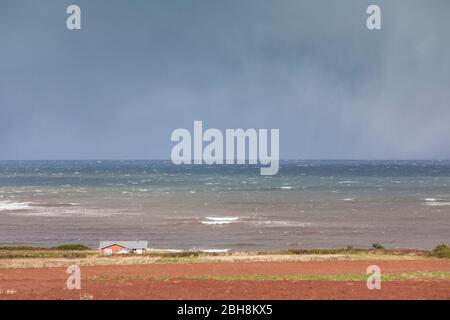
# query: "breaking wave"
[[15, 206], [26, 208], [283, 223], [433, 202], [219, 220]]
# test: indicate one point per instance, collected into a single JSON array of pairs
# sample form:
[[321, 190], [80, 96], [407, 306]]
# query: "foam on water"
[[35, 209], [304, 201], [438, 204], [433, 202], [223, 218], [14, 206], [219, 220], [348, 182], [283, 223]]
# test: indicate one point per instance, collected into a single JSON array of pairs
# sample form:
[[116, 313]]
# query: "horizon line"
[[291, 159]]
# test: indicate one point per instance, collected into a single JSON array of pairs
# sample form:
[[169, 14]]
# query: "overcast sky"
[[139, 69]]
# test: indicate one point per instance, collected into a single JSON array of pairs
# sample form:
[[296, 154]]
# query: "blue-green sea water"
[[308, 204]]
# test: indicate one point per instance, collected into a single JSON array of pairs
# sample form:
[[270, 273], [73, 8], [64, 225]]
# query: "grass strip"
[[402, 276]]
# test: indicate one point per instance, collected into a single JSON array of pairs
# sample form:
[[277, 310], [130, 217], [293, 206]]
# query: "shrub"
[[441, 251], [377, 246], [181, 254], [72, 247], [348, 250], [21, 248]]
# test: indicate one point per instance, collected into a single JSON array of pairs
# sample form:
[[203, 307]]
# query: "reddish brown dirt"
[[132, 282]]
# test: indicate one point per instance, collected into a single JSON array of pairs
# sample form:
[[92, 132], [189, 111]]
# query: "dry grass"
[[55, 258], [395, 276]]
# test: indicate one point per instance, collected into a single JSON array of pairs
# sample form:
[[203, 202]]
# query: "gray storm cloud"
[[138, 70]]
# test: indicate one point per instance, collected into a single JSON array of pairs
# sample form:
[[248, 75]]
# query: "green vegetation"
[[192, 259], [72, 247], [118, 278], [180, 254], [348, 251], [81, 251], [306, 277], [318, 251], [12, 254], [337, 277], [441, 251], [420, 275], [20, 248], [399, 276], [377, 246], [64, 251]]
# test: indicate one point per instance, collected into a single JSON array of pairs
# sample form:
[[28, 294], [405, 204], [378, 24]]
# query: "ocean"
[[308, 204]]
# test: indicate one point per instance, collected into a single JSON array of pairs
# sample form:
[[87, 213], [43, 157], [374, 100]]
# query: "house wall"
[[114, 248]]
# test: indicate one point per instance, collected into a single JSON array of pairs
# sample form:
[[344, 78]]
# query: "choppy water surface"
[[308, 204]]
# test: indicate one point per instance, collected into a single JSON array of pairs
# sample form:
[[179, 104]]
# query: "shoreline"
[[33, 257]]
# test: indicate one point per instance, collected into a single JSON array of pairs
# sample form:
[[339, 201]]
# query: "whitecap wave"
[[283, 223], [223, 218], [27, 208], [216, 222], [437, 204], [348, 199], [434, 202], [348, 182], [14, 206], [219, 220]]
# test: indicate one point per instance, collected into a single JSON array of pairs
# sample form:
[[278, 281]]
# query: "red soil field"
[[172, 281]]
